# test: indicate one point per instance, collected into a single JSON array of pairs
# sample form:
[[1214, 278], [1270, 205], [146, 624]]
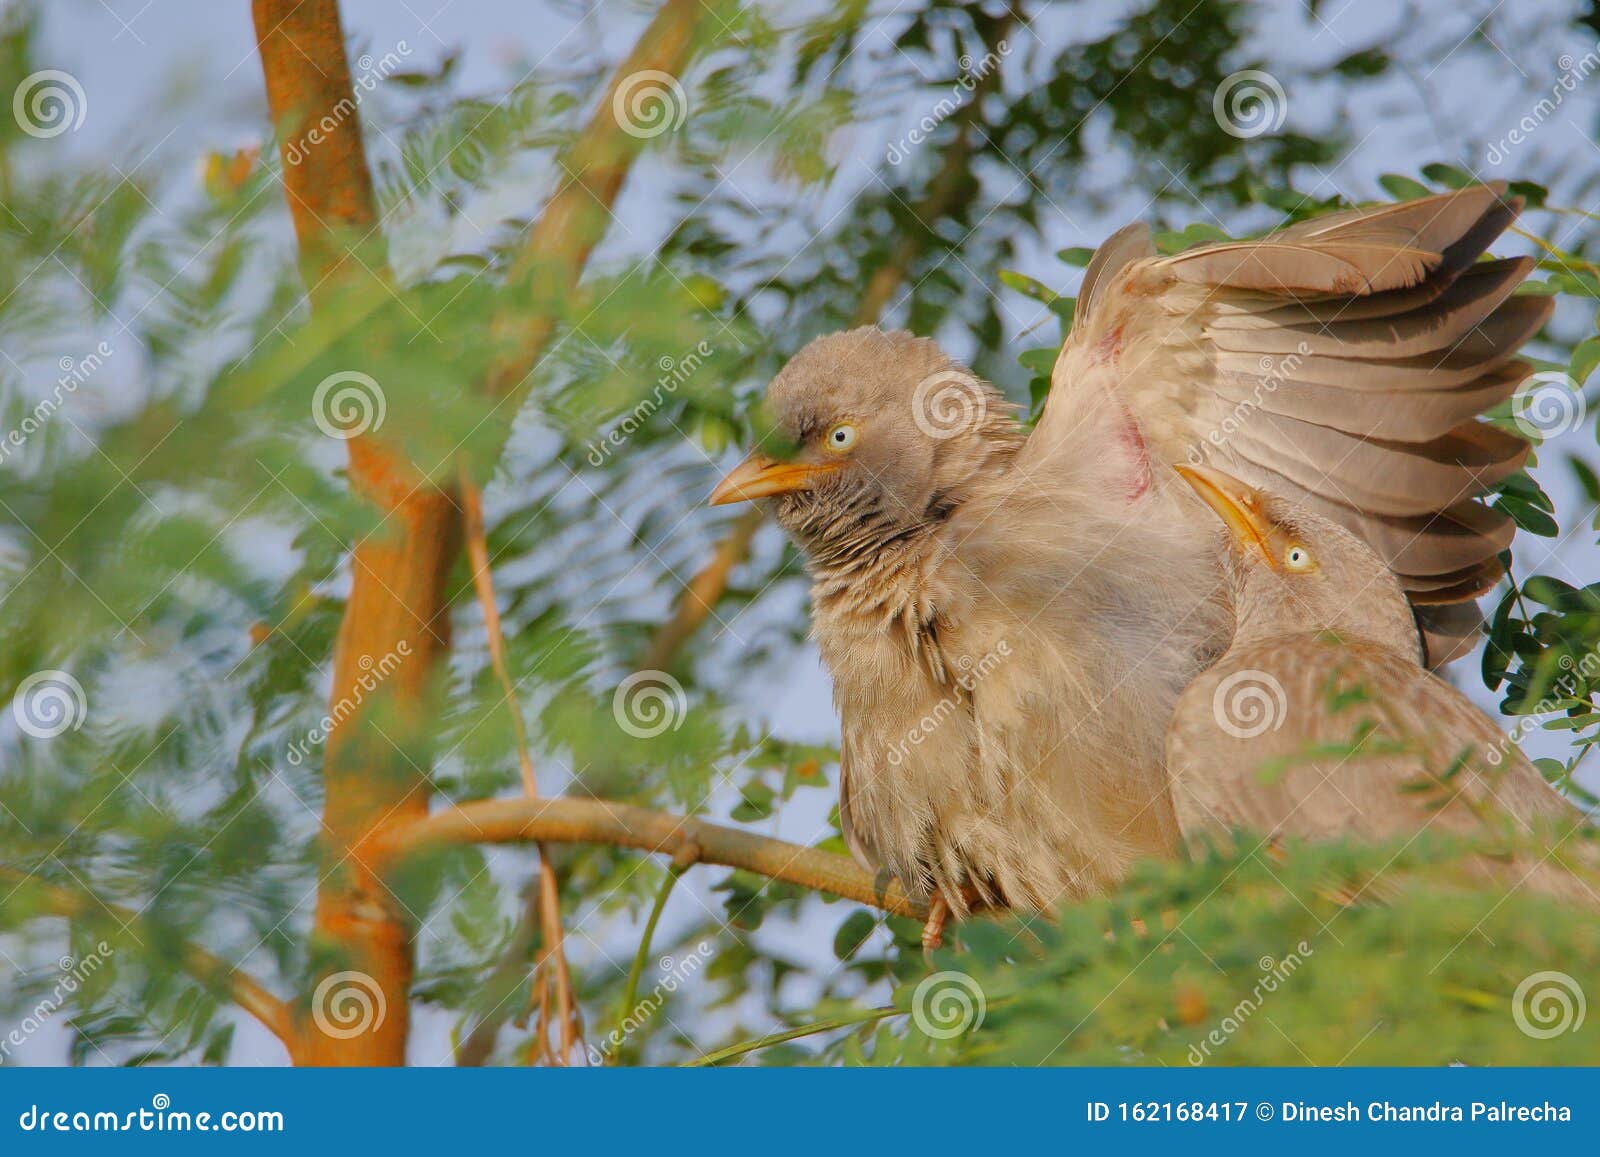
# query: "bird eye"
[[841, 437], [1297, 558]]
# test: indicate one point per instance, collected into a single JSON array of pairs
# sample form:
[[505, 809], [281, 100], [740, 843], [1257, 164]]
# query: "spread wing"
[[1343, 363]]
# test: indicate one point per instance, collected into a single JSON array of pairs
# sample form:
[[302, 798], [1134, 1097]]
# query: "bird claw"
[[933, 929]]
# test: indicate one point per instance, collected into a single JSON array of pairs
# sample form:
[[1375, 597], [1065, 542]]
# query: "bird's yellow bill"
[[1238, 505], [759, 476]]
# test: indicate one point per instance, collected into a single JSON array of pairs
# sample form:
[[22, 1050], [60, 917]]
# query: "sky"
[[168, 80]]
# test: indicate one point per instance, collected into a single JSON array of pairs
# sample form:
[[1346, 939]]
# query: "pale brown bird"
[[1009, 616], [1320, 721]]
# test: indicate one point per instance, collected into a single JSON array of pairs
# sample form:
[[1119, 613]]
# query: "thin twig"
[[805, 1030], [630, 993], [552, 952]]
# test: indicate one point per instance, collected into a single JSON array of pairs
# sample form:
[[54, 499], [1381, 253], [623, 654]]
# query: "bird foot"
[[938, 916]]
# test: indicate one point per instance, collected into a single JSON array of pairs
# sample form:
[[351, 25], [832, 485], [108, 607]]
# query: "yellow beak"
[[1239, 506], [761, 477]]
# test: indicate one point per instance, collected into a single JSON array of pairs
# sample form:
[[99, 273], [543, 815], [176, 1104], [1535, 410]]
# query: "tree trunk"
[[372, 774]]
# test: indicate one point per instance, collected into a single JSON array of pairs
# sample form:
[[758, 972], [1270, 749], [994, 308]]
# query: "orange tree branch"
[[593, 821], [205, 966], [578, 215]]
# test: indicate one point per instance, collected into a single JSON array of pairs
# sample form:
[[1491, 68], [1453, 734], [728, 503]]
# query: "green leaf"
[[1527, 516], [1448, 175], [1534, 195], [1024, 284], [1586, 477], [1584, 360], [853, 933], [1369, 62], [1077, 255], [1403, 188], [1040, 361]]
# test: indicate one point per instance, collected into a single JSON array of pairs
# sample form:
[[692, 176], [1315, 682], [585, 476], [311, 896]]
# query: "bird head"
[[871, 435], [1296, 571]]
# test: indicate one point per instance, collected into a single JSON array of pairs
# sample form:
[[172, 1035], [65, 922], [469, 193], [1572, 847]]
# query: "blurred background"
[[942, 167]]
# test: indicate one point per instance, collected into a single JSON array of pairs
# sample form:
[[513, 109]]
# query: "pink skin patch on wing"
[[1109, 346], [1138, 455]]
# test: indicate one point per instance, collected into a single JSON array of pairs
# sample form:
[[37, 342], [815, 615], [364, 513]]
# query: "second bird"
[[1320, 722]]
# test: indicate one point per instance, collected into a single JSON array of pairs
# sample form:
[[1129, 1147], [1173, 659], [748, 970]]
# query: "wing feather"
[[1343, 362]]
